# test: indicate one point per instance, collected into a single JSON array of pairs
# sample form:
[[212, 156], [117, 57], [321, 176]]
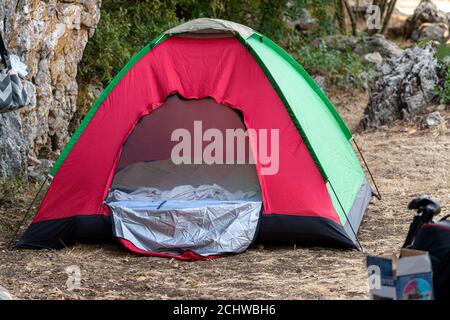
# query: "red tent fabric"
[[188, 67]]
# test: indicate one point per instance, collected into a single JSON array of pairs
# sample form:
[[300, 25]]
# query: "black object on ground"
[[427, 235]]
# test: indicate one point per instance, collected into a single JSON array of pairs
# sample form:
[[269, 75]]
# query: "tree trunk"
[[351, 16], [388, 16], [340, 15]]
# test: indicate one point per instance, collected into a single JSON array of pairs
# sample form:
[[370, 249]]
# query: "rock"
[[49, 37], [426, 13], [378, 43], [432, 31], [33, 160], [403, 87], [306, 23], [41, 170], [13, 146], [362, 45], [375, 58], [432, 120], [320, 80], [441, 107], [336, 42], [93, 92]]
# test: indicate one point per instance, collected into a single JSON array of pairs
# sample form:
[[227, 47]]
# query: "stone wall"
[[50, 37]]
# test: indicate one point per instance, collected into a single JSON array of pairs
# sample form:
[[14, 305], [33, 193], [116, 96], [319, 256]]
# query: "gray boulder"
[[13, 146], [437, 31], [40, 170], [375, 58], [306, 23], [403, 87], [378, 43], [427, 22], [433, 120], [363, 45]]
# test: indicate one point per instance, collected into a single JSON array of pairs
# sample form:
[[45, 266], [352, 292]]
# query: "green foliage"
[[339, 67], [443, 52], [271, 21], [127, 25], [443, 58], [11, 188], [443, 90], [323, 11]]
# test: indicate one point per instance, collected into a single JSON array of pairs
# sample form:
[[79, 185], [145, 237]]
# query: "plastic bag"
[[18, 66]]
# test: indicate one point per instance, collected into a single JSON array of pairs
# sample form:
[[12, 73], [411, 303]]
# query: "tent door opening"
[[167, 196]]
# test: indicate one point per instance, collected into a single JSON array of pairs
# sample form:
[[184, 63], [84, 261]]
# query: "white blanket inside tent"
[[165, 175], [185, 192]]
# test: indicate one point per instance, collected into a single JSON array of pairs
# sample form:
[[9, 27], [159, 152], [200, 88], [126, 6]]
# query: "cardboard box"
[[407, 276]]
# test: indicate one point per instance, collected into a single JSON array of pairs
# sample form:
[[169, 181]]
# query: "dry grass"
[[405, 161]]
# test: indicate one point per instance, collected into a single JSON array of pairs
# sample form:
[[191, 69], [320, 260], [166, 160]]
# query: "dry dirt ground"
[[406, 162]]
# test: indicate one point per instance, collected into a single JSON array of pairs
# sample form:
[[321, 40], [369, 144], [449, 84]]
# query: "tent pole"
[[346, 216], [378, 194], [27, 213]]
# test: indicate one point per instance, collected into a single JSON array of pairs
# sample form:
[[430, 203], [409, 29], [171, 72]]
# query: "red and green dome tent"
[[216, 71]]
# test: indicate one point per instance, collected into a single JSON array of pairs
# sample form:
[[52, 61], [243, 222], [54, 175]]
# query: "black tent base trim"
[[97, 229], [59, 233], [281, 229], [272, 229]]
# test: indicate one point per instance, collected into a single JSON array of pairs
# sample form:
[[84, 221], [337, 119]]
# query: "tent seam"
[[285, 103], [288, 58]]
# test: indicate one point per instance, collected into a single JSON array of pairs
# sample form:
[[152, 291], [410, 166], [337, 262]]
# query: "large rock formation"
[[48, 36], [427, 22], [404, 87]]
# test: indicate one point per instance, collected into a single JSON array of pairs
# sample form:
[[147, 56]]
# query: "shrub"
[[125, 26], [443, 90], [339, 67], [11, 189]]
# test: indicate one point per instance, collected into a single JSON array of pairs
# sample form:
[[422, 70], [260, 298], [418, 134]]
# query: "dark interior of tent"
[[169, 197]]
